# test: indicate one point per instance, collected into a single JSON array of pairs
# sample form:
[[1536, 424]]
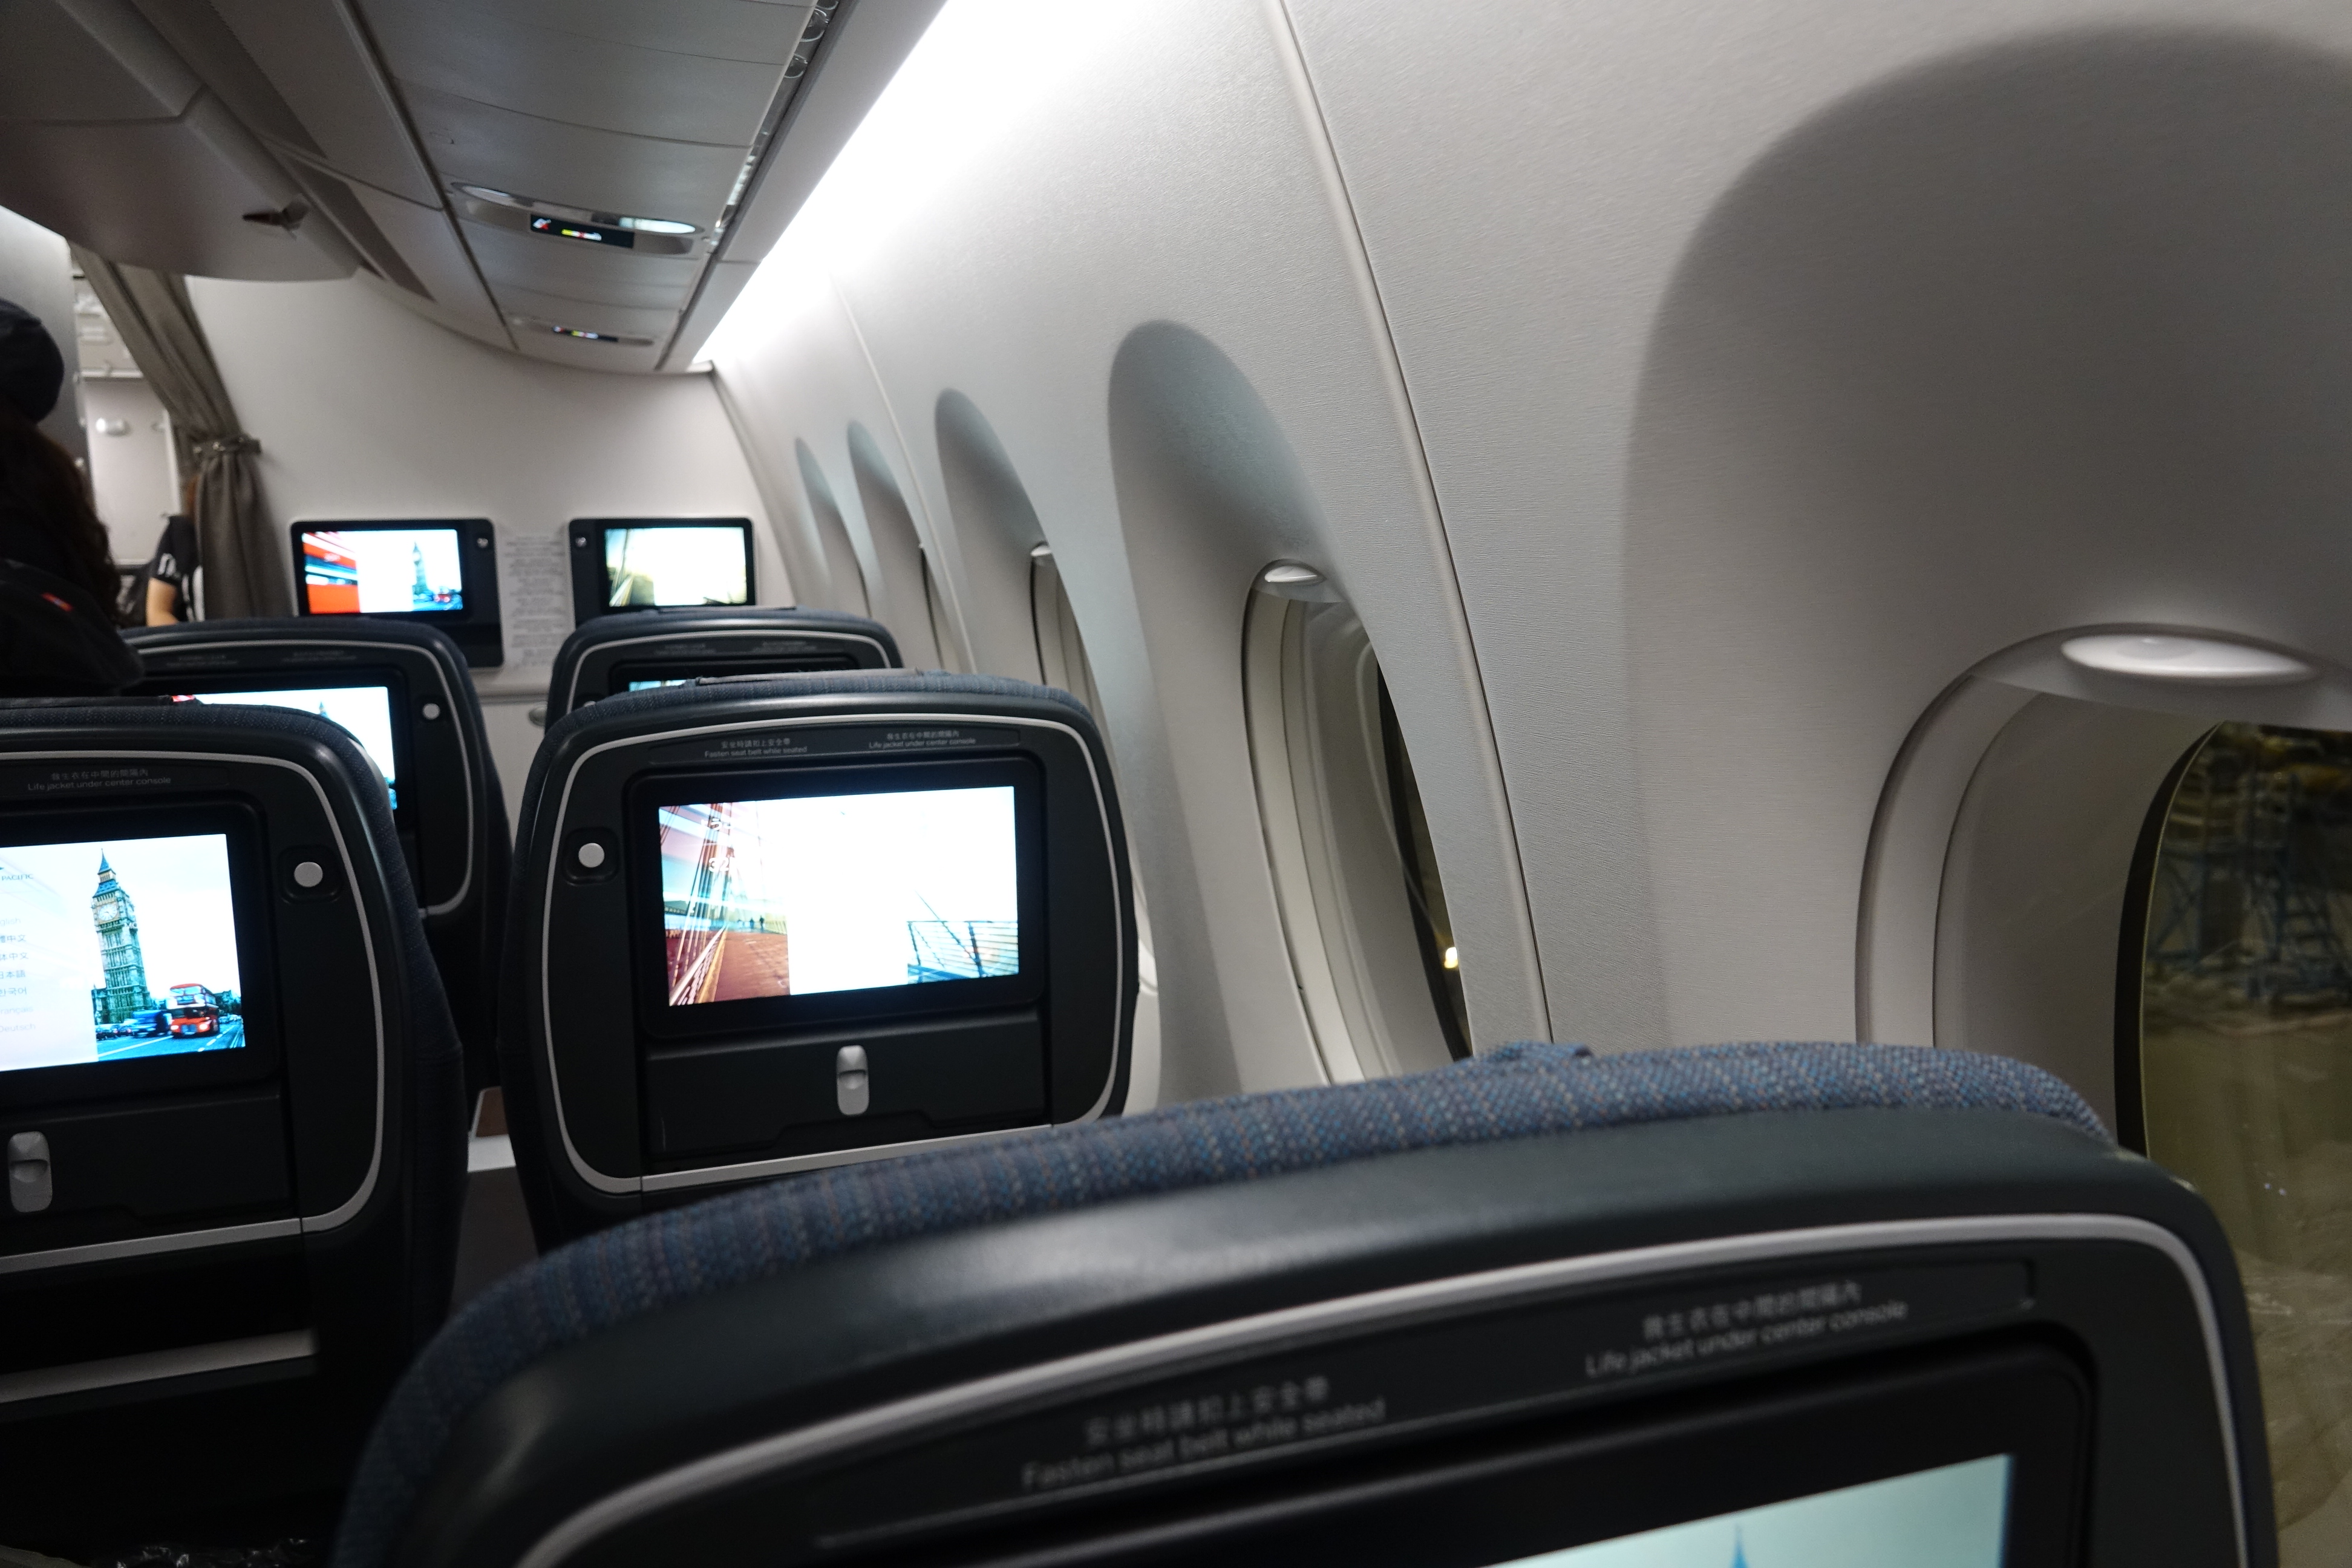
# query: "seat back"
[[638, 650], [766, 925], [404, 691], [229, 1094], [1774, 1297]]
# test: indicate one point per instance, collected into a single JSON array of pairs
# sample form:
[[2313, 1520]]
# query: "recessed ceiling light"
[[577, 214], [2206, 662], [580, 334]]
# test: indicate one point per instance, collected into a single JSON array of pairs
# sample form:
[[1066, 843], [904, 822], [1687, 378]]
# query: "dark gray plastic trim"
[[708, 1175], [449, 705], [1429, 1299], [570, 696], [182, 1241]]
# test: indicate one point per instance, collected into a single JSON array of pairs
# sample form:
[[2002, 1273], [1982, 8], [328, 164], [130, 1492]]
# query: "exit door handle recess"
[[850, 1088], [30, 1187]]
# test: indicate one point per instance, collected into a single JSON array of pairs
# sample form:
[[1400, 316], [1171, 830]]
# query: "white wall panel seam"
[[1529, 959], [912, 485]]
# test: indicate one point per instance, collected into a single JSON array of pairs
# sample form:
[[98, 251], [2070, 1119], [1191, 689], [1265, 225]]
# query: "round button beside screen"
[[431, 710], [309, 874], [591, 855]]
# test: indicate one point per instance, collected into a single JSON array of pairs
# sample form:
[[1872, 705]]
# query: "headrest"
[[675, 644], [321, 630], [1529, 1091], [768, 923], [185, 725]]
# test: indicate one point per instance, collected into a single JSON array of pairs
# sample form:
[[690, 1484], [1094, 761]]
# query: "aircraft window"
[[899, 552], [1362, 907], [844, 578], [1424, 890], [1054, 627], [2234, 1070], [940, 638]]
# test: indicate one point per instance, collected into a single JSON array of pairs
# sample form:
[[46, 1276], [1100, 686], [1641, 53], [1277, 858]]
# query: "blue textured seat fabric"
[[1520, 1091]]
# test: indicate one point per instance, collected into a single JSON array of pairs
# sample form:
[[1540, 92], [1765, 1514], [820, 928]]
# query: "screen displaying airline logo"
[[593, 233]]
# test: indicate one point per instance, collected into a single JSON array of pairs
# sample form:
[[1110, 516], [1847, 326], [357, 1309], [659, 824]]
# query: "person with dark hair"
[[57, 586], [164, 594]]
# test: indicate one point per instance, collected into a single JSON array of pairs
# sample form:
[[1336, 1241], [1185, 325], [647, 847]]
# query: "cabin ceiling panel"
[[579, 165], [581, 271], [156, 131], [585, 355], [427, 241], [52, 69], [201, 37], [321, 68], [752, 30], [482, 53], [153, 194], [597, 315]]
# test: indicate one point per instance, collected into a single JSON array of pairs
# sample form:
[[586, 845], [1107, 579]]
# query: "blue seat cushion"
[[1524, 1091]]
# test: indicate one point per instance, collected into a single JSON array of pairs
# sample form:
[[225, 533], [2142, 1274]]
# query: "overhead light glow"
[[2205, 661], [1452, 958], [976, 75]]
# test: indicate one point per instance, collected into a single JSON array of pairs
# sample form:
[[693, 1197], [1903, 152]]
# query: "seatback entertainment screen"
[[677, 564], [817, 893], [382, 570], [117, 948], [364, 711], [1955, 1516]]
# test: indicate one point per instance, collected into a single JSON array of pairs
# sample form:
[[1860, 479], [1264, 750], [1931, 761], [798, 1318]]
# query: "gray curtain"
[[245, 572]]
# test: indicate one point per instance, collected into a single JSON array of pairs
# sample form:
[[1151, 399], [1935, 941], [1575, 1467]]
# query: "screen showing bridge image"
[[364, 711], [676, 565], [382, 572], [117, 948], [838, 892], [1955, 1515]]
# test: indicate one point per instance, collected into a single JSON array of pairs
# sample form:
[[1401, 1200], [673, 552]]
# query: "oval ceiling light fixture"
[[579, 334], [2204, 662], [533, 205]]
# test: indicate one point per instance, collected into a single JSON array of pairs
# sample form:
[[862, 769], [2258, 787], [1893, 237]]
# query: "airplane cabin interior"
[[880, 783]]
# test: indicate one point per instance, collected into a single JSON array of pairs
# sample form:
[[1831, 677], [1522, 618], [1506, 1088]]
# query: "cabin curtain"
[[242, 574]]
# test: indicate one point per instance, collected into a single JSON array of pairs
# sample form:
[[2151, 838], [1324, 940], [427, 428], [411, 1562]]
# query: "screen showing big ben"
[[119, 948], [382, 572]]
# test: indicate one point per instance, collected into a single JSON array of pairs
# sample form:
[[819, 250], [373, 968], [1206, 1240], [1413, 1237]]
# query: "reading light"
[[1452, 958], [2204, 660]]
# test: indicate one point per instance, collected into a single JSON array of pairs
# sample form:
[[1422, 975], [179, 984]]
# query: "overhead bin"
[[240, 140]]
